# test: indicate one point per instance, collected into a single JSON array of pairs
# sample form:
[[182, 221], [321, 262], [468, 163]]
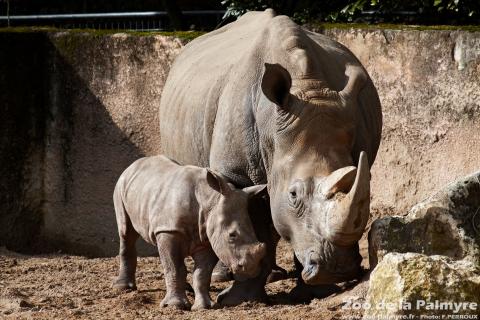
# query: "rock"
[[13, 301], [428, 262], [417, 284], [447, 223]]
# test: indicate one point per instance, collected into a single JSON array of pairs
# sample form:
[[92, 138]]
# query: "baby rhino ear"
[[256, 191], [217, 183]]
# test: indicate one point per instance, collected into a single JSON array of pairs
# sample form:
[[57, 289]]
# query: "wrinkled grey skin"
[[264, 100], [184, 211]]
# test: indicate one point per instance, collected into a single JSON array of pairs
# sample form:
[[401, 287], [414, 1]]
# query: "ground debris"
[[63, 287]]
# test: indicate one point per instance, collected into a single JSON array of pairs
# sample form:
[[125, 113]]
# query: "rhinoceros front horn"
[[348, 216]]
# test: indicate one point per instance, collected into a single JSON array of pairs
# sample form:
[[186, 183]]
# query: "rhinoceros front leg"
[[278, 273], [248, 290], [171, 249], [205, 261], [254, 289]]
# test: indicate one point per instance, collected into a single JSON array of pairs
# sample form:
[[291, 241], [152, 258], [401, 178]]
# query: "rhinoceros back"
[[202, 80], [212, 94]]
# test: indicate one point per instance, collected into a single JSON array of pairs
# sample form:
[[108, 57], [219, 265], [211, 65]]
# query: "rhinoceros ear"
[[276, 83], [256, 191], [217, 183]]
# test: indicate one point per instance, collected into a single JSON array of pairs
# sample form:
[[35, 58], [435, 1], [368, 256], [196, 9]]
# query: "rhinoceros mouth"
[[316, 272], [317, 277], [309, 273]]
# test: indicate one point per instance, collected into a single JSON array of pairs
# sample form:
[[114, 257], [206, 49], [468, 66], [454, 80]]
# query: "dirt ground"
[[62, 286]]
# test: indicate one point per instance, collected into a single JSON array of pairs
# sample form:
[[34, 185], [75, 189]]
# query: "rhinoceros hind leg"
[[172, 254], [128, 259]]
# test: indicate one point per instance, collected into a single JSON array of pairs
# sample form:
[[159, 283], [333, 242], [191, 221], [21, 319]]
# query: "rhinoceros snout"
[[249, 266], [345, 267], [311, 267]]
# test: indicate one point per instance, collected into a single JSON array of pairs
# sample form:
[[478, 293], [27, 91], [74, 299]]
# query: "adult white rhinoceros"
[[264, 100]]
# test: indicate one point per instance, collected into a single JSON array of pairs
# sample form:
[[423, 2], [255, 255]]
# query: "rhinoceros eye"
[[294, 195]]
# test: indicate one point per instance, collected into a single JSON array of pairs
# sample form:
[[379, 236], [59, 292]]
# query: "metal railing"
[[374, 16], [138, 21]]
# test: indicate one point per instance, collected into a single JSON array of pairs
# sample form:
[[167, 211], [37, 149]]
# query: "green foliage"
[[453, 10], [408, 11], [301, 11]]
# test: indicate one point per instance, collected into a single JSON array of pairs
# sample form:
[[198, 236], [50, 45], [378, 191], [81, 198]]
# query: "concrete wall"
[[80, 107], [429, 85], [22, 131], [104, 98]]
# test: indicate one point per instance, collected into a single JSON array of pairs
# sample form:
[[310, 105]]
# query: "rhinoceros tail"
[[123, 221]]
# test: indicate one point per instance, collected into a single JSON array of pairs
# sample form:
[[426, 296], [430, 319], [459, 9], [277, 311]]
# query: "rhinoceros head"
[[319, 199], [230, 230]]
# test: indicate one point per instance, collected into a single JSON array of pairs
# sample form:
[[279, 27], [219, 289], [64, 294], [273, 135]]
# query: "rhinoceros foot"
[[204, 304], [277, 274], [176, 302], [123, 284], [242, 291], [304, 293]]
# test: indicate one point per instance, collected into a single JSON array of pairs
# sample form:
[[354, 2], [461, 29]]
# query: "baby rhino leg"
[[172, 254], [205, 261], [128, 257], [128, 263]]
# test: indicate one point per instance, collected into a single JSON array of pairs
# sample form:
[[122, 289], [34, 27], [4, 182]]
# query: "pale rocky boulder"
[[408, 284], [447, 223]]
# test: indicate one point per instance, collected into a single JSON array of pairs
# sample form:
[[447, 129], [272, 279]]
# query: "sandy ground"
[[62, 287]]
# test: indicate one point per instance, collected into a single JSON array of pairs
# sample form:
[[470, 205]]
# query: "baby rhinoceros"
[[184, 211]]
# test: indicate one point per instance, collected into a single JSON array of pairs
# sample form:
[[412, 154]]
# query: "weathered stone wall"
[[105, 92], [80, 107], [22, 130]]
